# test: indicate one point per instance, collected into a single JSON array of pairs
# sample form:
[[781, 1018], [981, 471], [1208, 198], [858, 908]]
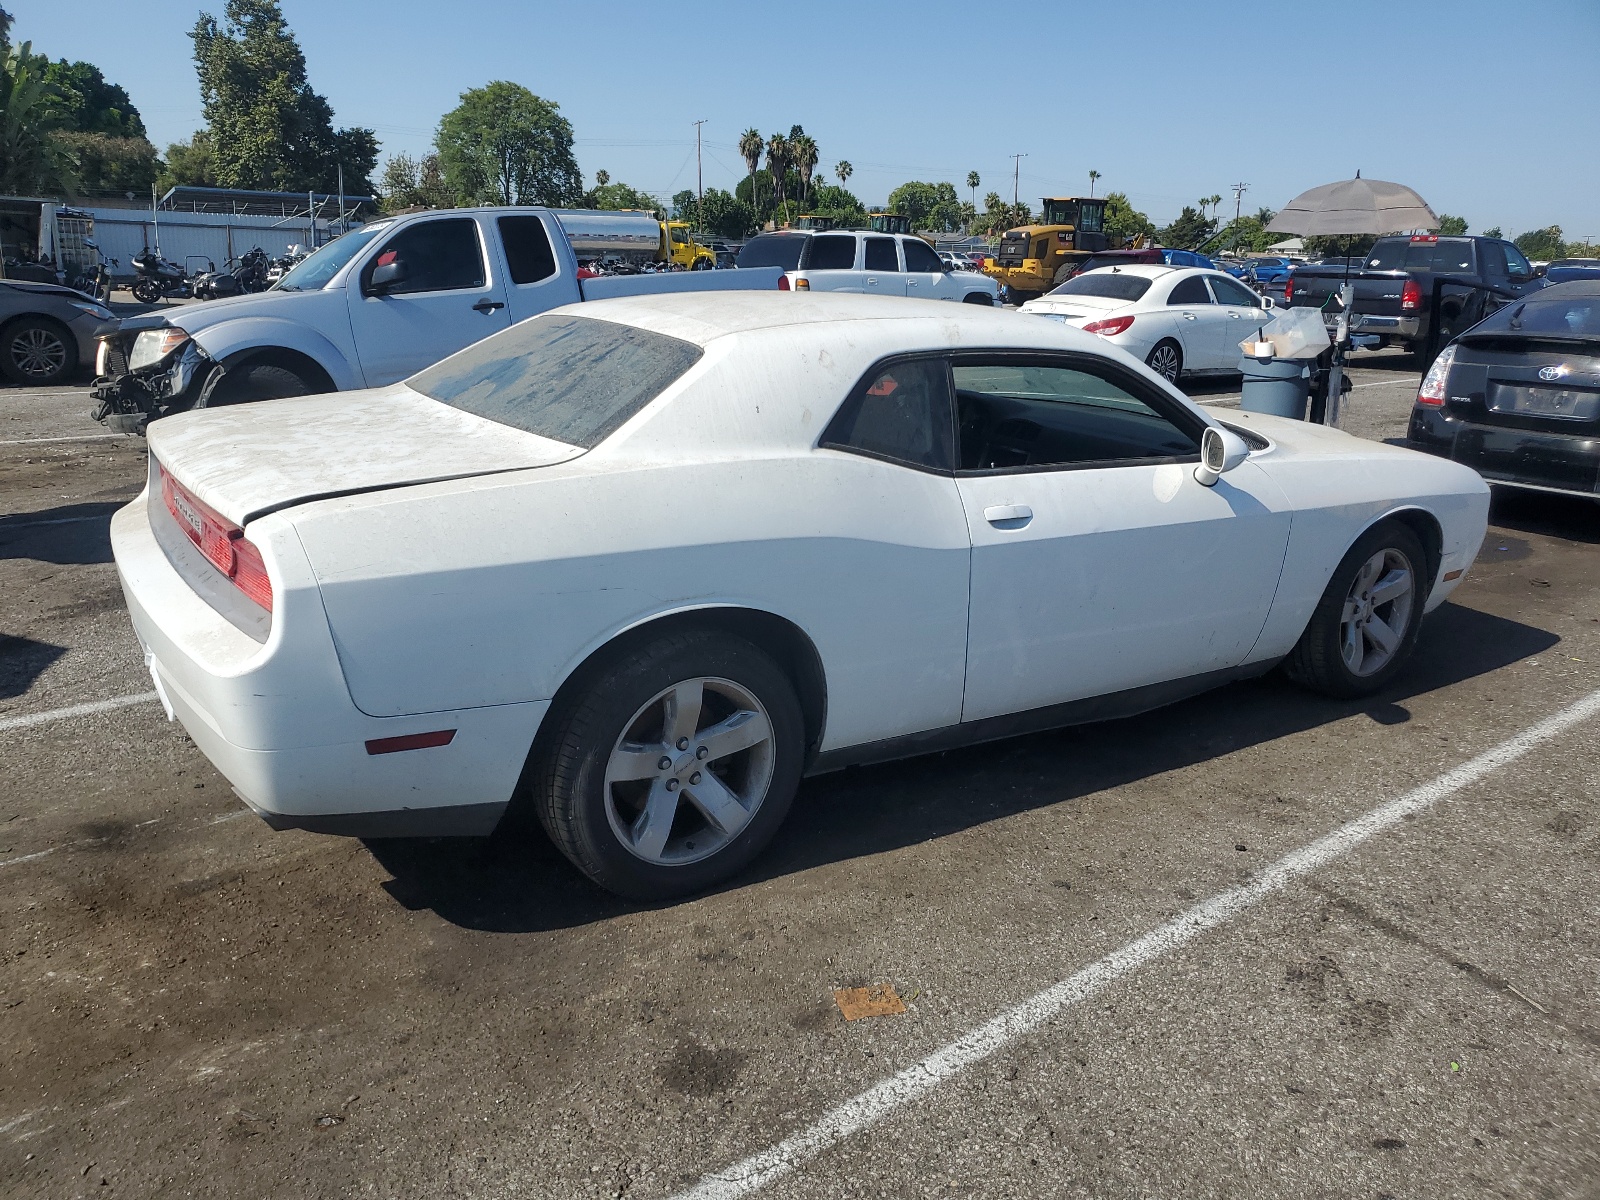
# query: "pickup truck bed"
[[1394, 286]]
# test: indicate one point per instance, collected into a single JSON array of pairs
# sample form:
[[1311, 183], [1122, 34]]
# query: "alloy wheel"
[[1377, 612], [689, 771], [1164, 362], [38, 353]]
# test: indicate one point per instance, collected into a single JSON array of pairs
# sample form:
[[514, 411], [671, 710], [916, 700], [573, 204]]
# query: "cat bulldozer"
[[1035, 258]]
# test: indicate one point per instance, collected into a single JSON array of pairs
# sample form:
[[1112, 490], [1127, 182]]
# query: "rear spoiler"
[[738, 279]]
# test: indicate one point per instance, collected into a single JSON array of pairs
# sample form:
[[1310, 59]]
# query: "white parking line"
[[76, 710], [82, 437], [922, 1077]]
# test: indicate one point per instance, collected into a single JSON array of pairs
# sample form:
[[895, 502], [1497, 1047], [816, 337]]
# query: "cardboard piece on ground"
[[879, 1000]]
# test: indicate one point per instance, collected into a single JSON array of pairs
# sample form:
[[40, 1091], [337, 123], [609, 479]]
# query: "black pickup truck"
[[1394, 286]]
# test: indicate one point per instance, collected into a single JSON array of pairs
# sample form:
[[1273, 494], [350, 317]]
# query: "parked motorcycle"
[[277, 268], [96, 281], [158, 278], [248, 273]]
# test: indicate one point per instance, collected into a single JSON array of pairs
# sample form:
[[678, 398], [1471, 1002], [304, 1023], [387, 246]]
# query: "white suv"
[[876, 264]]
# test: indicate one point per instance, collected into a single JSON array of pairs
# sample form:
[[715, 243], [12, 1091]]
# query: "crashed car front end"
[[145, 368]]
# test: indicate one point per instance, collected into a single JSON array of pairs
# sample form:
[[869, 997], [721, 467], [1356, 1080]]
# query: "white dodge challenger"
[[641, 566]]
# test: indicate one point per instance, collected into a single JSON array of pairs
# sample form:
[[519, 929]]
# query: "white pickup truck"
[[371, 307]]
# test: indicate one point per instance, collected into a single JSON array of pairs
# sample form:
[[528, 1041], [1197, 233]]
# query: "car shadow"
[[68, 535], [1572, 518], [517, 882], [22, 661]]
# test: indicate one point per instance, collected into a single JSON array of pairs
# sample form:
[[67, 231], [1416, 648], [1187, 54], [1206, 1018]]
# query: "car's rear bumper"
[[276, 718], [1568, 464]]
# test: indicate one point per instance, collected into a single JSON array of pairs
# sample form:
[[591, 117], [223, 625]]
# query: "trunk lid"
[[253, 459]]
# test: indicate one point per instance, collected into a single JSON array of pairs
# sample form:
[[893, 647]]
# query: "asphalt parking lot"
[[1258, 944]]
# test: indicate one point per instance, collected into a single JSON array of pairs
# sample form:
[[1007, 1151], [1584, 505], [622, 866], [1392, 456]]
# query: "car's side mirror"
[[385, 276], [1268, 302], [1220, 452]]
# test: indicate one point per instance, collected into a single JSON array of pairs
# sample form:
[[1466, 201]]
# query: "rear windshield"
[[1111, 284], [1574, 316], [1403, 254], [774, 250], [572, 379]]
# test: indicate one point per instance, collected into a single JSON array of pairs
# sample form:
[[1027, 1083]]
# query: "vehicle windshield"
[[571, 379], [1111, 284], [312, 274], [774, 250], [1547, 316]]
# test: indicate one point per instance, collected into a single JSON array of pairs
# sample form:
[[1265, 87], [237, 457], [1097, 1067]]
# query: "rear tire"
[[650, 832], [250, 382], [1166, 360], [146, 291], [1366, 624], [38, 352]]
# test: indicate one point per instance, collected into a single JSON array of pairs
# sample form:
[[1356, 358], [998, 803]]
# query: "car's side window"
[[1230, 291], [831, 252], [900, 412], [1190, 291], [436, 256], [1014, 414], [528, 252], [881, 254], [1518, 267], [919, 257]]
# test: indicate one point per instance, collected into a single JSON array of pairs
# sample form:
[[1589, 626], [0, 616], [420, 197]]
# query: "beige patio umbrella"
[[1354, 206]]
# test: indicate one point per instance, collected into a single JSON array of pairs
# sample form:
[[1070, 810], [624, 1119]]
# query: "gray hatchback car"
[[46, 331]]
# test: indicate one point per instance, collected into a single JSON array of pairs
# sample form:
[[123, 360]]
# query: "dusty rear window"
[[572, 379]]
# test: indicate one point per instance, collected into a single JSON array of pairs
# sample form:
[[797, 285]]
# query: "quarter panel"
[[494, 590]]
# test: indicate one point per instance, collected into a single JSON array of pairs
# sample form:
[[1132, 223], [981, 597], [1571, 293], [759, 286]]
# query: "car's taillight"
[[1411, 296], [1288, 288], [223, 543], [1431, 392], [783, 283], [1110, 327]]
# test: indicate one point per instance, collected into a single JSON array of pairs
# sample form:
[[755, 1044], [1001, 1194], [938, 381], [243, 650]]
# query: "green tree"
[[1340, 245], [725, 215], [190, 163], [843, 206], [409, 183], [110, 166], [1451, 226], [1123, 221], [1543, 244], [843, 170], [1189, 230], [617, 196], [32, 160], [1094, 177], [804, 151], [751, 145], [929, 205], [779, 160], [1493, 231], [268, 128], [88, 104], [504, 145]]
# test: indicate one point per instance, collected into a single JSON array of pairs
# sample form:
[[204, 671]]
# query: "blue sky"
[[1491, 111]]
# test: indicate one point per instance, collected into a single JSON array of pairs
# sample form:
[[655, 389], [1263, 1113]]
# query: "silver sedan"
[[46, 331]]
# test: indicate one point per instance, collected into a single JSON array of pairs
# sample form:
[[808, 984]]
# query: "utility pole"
[[700, 183], [1239, 189], [1016, 175]]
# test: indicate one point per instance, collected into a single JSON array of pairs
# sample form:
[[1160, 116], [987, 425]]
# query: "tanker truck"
[[634, 238]]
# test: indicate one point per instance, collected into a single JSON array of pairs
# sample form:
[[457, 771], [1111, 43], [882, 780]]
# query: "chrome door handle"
[[1188, 316], [872, 279], [487, 306], [1012, 516]]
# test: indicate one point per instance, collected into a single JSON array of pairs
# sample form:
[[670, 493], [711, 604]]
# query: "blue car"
[[1565, 270]]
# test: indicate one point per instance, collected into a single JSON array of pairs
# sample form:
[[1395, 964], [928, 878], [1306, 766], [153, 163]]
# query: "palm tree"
[[1093, 175], [972, 182], [750, 147], [778, 166], [1214, 201], [804, 150], [843, 170], [31, 161]]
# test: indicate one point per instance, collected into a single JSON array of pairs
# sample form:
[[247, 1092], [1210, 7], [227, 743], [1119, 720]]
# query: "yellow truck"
[[633, 237], [1034, 258]]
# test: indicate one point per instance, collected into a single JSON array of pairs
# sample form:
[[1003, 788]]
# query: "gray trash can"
[[1278, 387]]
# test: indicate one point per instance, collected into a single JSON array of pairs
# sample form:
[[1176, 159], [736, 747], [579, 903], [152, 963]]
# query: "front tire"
[[1166, 360], [1366, 624], [38, 352], [146, 291], [674, 765], [250, 382]]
